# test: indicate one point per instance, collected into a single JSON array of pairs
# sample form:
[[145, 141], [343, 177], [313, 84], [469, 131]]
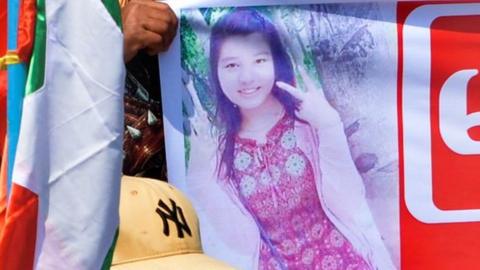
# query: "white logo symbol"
[[454, 121]]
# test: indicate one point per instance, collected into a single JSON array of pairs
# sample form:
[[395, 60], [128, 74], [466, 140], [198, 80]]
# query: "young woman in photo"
[[281, 187]]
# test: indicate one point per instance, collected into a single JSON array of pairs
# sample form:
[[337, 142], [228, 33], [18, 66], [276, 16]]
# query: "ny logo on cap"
[[173, 214]]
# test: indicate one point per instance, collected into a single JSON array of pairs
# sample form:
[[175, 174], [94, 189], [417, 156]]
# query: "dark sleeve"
[[144, 144]]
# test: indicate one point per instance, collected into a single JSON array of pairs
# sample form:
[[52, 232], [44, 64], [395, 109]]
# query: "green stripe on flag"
[[36, 74], [108, 260], [113, 7]]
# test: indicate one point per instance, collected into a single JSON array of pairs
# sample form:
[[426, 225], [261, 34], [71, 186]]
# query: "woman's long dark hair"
[[243, 22]]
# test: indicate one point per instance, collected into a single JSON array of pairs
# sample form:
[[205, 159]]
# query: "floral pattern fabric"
[[275, 182]]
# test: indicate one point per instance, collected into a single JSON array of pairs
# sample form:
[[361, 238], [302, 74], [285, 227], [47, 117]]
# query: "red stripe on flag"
[[3, 115], [3, 73], [26, 29], [17, 242], [3, 186], [3, 27]]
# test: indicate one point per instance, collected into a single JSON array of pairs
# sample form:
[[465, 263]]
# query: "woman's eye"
[[231, 65], [261, 60]]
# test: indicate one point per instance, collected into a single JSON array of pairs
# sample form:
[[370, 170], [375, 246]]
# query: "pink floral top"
[[276, 184]]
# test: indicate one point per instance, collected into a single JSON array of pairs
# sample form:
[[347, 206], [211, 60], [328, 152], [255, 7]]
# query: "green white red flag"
[[63, 202]]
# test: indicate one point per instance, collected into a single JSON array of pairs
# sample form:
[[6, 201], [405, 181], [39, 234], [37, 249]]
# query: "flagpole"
[[17, 74]]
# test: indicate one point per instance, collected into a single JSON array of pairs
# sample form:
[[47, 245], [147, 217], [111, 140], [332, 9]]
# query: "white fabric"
[[340, 189], [70, 145]]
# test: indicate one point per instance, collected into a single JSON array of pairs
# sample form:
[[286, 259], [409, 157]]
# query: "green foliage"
[[211, 15], [310, 66], [267, 11], [195, 62], [309, 61], [205, 94], [193, 55], [188, 147]]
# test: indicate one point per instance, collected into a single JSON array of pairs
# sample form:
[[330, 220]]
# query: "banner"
[[337, 135]]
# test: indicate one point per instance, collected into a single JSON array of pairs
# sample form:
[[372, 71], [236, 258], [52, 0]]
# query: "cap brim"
[[190, 261]]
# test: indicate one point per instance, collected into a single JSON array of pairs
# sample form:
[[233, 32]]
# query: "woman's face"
[[246, 70]]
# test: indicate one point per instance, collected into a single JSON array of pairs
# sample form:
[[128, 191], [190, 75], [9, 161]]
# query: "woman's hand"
[[313, 106]]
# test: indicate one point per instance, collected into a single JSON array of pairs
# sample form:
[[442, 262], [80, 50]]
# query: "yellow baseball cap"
[[158, 229]]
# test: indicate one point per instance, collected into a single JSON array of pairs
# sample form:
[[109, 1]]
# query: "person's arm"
[[147, 25]]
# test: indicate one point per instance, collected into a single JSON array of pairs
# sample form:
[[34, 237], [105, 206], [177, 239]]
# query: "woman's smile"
[[249, 91]]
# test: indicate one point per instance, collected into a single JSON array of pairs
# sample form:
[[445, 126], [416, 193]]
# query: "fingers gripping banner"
[[315, 135]]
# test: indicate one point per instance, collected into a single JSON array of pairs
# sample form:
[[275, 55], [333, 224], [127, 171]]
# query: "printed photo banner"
[[328, 135]]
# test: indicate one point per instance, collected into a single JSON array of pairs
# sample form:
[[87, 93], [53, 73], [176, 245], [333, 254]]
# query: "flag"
[[16, 58], [63, 206], [3, 186], [3, 111], [3, 73]]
